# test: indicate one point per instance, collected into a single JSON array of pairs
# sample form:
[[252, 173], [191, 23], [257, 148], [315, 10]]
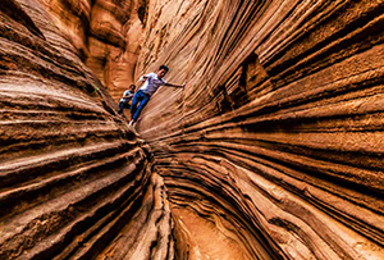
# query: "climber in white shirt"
[[127, 96], [152, 82]]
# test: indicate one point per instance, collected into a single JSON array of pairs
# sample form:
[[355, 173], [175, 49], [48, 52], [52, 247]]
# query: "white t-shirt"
[[126, 93], [151, 84]]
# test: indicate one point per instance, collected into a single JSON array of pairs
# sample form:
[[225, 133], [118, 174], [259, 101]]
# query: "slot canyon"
[[273, 150]]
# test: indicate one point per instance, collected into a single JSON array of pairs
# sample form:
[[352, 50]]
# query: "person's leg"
[[127, 106], [121, 107], [143, 103], [136, 98]]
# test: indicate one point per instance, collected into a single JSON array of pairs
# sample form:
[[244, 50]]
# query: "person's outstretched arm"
[[174, 86]]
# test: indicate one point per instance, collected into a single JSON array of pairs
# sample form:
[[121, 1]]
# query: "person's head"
[[162, 71], [132, 87]]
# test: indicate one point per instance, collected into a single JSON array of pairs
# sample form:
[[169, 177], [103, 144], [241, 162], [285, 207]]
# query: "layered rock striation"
[[74, 181], [106, 35], [272, 151], [277, 136]]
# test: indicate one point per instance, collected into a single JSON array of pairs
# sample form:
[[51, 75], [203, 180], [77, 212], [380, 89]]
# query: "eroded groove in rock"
[[72, 176], [106, 35], [281, 121], [272, 151]]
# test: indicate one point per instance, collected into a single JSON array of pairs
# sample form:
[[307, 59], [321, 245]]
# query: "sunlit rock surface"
[[106, 35], [277, 137], [272, 151], [74, 180]]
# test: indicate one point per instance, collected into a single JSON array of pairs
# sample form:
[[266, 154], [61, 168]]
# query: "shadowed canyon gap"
[[274, 150]]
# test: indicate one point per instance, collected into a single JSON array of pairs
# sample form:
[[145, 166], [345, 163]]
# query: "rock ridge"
[[272, 151]]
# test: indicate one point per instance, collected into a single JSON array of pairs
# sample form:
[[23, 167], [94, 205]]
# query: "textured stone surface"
[[106, 35], [273, 150], [73, 178], [279, 130]]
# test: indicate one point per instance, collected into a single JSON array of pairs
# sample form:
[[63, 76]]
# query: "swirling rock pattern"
[[106, 35], [277, 138], [272, 151], [73, 178]]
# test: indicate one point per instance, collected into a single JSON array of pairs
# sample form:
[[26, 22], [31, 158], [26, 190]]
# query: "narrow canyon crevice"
[[273, 150]]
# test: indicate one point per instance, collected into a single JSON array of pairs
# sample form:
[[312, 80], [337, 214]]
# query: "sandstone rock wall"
[[277, 137], [106, 35], [272, 151], [74, 181]]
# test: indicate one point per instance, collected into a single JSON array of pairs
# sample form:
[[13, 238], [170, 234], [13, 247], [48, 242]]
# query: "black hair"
[[164, 67], [132, 85]]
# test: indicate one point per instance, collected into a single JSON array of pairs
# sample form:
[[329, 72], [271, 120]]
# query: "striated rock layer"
[[74, 181], [106, 35], [277, 138], [272, 151]]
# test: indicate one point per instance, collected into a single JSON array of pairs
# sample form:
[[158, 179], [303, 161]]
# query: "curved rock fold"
[[272, 151]]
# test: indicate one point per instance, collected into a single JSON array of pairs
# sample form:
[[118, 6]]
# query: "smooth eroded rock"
[[280, 124], [73, 177]]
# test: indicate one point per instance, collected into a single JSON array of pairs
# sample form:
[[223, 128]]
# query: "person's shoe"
[[132, 125]]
